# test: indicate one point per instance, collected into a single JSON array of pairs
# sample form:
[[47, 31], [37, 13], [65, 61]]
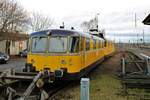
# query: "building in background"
[[146, 21], [13, 43]]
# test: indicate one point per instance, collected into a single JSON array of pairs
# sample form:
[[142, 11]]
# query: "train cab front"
[[56, 52]]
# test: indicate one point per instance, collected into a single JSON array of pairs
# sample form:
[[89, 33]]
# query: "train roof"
[[63, 32]]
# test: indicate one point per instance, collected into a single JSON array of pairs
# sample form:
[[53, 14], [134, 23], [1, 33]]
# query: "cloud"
[[115, 15]]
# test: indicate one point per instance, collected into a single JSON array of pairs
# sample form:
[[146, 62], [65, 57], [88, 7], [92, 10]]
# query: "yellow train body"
[[72, 62]]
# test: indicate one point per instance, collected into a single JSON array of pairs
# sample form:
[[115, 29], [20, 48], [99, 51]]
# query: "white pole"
[[84, 93]]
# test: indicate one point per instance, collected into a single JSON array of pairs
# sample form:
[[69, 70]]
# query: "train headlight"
[[59, 73]]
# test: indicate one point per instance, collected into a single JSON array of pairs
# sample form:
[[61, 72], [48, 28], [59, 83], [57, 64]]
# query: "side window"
[[87, 44], [109, 43], [94, 44], [99, 44], [82, 44], [102, 44], [74, 44], [105, 43]]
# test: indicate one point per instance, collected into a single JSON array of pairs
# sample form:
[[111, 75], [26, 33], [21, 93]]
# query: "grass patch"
[[106, 87], [104, 84]]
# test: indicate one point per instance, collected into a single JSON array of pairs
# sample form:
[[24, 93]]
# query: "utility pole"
[[97, 20], [137, 40], [114, 37], [143, 37], [135, 21]]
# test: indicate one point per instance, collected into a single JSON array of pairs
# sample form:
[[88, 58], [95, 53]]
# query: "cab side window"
[[105, 43], [94, 44], [82, 44], [102, 44], [74, 44], [99, 44], [108, 44]]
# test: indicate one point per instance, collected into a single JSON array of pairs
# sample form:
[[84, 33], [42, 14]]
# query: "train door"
[[82, 49]]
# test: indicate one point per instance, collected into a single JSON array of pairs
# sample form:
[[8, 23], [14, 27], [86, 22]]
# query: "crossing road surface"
[[17, 64]]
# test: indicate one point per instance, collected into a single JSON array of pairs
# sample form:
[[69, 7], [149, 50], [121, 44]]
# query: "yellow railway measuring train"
[[67, 54]]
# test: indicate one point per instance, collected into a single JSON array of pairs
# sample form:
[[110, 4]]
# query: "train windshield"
[[58, 44], [38, 44]]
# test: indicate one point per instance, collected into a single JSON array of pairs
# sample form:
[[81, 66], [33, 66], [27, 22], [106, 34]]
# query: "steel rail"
[[138, 66]]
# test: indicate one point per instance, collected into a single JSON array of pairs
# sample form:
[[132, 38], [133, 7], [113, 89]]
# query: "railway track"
[[30, 90], [135, 71], [133, 62], [48, 91]]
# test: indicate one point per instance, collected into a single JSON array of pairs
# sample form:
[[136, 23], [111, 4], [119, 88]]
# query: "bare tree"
[[12, 16], [40, 22], [90, 25], [85, 26]]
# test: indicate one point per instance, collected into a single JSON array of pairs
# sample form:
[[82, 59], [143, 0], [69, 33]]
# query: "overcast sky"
[[115, 16]]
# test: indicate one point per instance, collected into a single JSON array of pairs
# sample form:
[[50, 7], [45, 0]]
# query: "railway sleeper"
[[135, 79], [8, 77]]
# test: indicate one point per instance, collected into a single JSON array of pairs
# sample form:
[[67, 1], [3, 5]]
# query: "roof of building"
[[13, 36], [146, 21]]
